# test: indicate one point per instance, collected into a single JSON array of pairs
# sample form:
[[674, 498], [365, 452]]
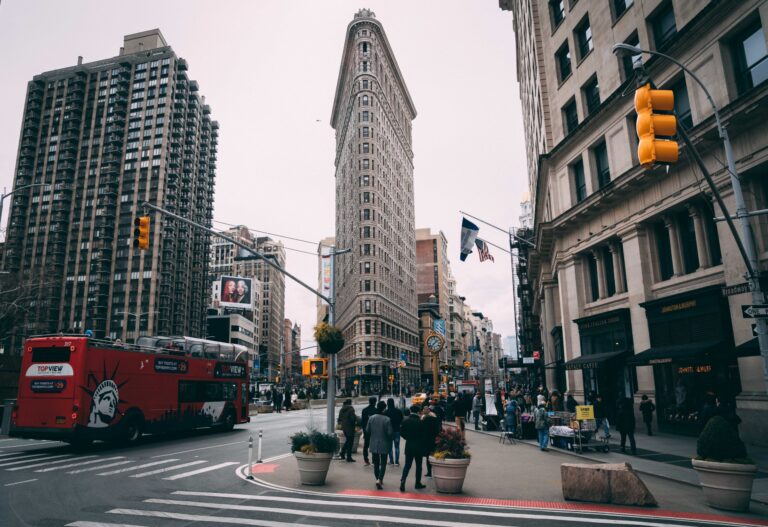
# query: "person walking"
[[477, 408], [412, 430], [601, 417], [646, 408], [366, 414], [510, 417], [395, 417], [347, 420], [541, 423], [278, 400], [460, 412], [379, 430], [431, 427], [625, 424]]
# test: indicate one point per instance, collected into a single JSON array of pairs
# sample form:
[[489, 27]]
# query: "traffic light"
[[141, 233], [651, 125], [318, 367]]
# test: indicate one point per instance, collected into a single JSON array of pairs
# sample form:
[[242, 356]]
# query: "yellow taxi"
[[419, 398]]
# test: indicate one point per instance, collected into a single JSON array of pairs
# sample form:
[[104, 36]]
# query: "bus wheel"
[[228, 422], [132, 430]]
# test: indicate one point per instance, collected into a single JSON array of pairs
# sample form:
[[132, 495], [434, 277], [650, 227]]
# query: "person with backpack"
[[541, 423], [646, 408]]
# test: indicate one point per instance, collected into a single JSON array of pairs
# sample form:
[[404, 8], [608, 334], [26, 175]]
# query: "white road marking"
[[275, 458], [100, 467], [45, 462], [167, 469], [15, 460], [201, 470], [28, 444], [19, 482], [131, 469], [79, 464], [212, 519], [197, 449], [405, 520], [100, 524]]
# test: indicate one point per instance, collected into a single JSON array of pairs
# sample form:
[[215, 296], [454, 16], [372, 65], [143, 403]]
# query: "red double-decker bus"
[[78, 389]]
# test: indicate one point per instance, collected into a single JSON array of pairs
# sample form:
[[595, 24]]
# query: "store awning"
[[682, 352], [588, 362], [749, 348]]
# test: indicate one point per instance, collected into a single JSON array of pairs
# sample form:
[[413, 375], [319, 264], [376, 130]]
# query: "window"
[[688, 242], [557, 9], [628, 61], [663, 251], [365, 100], [365, 131], [366, 164], [610, 276], [663, 26], [364, 47], [579, 183], [563, 59], [570, 117], [366, 148], [682, 105], [620, 7], [601, 165], [591, 92], [584, 38], [594, 288], [365, 116], [750, 57]]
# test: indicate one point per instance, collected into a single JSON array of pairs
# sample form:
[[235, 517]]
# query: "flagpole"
[[497, 228], [498, 247]]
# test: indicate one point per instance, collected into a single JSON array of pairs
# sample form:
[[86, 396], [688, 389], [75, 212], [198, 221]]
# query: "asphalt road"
[[194, 479]]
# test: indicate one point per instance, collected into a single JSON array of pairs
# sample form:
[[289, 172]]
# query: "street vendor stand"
[[580, 433]]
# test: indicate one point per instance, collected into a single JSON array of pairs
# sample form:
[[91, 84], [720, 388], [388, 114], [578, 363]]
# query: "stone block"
[[605, 483]]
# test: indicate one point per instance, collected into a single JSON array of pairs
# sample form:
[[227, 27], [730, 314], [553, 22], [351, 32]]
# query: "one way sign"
[[755, 311]]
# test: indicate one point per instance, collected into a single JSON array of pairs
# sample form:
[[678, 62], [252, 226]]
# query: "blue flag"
[[468, 234]]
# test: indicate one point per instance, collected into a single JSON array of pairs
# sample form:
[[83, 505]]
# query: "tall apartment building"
[[376, 283], [629, 266], [223, 252], [97, 140], [272, 310]]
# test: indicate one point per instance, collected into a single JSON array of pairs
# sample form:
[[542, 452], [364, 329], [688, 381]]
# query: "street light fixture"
[[745, 242]]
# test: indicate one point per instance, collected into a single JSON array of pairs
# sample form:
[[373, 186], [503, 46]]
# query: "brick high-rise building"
[[97, 140], [376, 283]]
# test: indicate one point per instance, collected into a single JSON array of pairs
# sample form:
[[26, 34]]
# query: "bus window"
[[53, 354]]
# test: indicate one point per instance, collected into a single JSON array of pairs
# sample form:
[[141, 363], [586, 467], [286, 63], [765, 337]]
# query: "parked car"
[[419, 398]]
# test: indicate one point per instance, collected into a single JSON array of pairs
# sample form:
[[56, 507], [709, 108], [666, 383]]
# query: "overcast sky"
[[268, 70]]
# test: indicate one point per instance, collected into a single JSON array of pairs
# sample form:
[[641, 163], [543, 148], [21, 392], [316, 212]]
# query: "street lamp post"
[[745, 243]]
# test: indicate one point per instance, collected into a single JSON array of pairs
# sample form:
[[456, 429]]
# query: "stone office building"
[[630, 266], [376, 283]]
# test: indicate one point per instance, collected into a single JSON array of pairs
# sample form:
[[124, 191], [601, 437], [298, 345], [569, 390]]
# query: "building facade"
[[376, 305], [630, 267], [97, 140]]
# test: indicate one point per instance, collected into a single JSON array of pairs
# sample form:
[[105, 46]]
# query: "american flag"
[[482, 250]]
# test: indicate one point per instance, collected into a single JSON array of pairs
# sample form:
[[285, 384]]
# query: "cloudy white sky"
[[268, 70]]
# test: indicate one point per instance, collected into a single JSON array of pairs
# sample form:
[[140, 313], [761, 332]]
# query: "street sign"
[[528, 360], [439, 326], [736, 289], [755, 311], [585, 412], [403, 356]]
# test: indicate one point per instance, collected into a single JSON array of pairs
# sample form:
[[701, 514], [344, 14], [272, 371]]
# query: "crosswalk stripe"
[[212, 519], [100, 524], [47, 462], [167, 469], [131, 469], [201, 470], [15, 460], [15, 454], [37, 458], [100, 467], [79, 464]]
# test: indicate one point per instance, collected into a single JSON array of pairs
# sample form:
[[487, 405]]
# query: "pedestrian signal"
[[315, 368], [466, 364], [141, 233], [651, 125]]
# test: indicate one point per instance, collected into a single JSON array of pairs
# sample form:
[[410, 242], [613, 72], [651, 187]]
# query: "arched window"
[[365, 100]]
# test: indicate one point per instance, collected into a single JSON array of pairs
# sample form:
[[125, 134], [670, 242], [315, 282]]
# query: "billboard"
[[236, 292], [326, 271]]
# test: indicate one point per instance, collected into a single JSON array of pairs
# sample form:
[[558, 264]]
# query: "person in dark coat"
[[647, 408], [368, 411], [395, 417], [432, 426], [412, 430], [278, 401], [625, 423], [347, 420], [570, 403], [379, 429], [708, 410], [601, 417], [477, 408]]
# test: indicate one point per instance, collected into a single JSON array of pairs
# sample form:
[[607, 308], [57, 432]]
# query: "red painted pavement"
[[263, 468], [546, 505]]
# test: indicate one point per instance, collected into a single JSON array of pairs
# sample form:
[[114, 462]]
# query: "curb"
[[759, 501]]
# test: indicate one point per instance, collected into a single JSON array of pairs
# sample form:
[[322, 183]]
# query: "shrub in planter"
[[329, 338], [725, 472], [449, 461], [313, 451]]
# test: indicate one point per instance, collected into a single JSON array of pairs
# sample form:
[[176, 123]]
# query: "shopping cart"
[[586, 436]]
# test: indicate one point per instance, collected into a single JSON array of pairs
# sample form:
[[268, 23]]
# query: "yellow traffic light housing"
[[650, 125], [315, 368], [141, 233]]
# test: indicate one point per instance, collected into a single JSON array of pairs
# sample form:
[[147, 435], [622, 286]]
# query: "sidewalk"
[[497, 472]]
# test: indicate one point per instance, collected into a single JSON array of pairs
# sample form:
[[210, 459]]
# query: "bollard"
[[259, 455], [250, 457]]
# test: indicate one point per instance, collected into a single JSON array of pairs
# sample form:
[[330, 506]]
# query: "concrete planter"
[[449, 474], [313, 468], [726, 486]]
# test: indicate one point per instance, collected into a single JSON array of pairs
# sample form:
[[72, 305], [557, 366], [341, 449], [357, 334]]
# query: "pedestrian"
[[646, 408], [438, 409], [497, 402], [541, 423], [625, 423], [601, 417], [570, 403], [540, 397], [708, 409], [379, 430], [412, 431], [727, 410], [347, 419], [431, 428], [510, 417], [477, 408], [395, 417], [368, 411], [460, 412], [278, 400]]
